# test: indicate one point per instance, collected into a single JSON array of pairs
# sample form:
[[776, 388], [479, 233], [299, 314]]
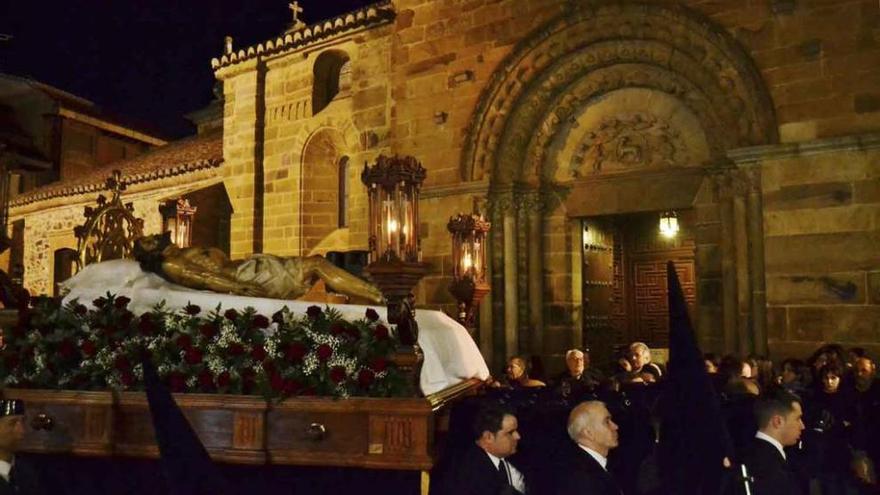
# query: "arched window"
[[326, 84], [343, 192], [65, 265]]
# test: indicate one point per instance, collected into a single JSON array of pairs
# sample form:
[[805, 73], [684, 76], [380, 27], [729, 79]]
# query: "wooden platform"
[[395, 433]]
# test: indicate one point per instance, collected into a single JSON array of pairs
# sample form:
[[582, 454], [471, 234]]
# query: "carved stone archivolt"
[[532, 89]]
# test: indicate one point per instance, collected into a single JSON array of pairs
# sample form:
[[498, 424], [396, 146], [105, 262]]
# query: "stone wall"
[[822, 228]]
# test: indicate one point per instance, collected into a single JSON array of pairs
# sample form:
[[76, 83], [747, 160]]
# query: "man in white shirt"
[[779, 417], [15, 476], [483, 467], [586, 470]]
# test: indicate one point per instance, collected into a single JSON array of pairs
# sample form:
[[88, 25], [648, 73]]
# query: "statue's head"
[[147, 250]]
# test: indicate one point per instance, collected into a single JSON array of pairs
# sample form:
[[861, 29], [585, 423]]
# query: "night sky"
[[149, 61]]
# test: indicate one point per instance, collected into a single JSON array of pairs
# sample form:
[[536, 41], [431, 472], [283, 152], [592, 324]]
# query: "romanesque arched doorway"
[[610, 111]]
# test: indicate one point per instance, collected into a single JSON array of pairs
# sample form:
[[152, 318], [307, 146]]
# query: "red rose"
[[121, 302], [145, 325], [372, 315], [80, 310], [208, 330], [365, 378], [324, 352], [235, 349], [380, 332], [276, 382], [206, 380], [337, 374], [127, 378], [99, 302], [260, 321], [292, 386], [379, 364], [192, 309], [223, 379], [258, 353], [66, 349], [184, 341], [295, 351], [193, 356], [121, 363], [177, 382], [231, 314], [314, 312], [337, 328]]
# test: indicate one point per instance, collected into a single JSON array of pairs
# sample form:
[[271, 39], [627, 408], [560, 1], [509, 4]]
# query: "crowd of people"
[[801, 427]]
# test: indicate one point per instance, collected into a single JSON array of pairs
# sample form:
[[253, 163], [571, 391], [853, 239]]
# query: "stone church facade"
[[573, 125]]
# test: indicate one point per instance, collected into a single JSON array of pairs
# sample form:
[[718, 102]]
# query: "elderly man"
[[483, 467], [640, 359], [779, 417], [578, 378], [594, 434], [16, 476]]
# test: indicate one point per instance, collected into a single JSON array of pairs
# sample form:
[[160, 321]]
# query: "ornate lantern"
[[668, 224], [178, 219], [393, 185], [469, 264]]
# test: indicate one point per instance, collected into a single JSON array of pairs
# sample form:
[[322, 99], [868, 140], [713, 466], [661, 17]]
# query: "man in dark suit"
[[16, 475], [482, 467], [779, 418], [585, 471]]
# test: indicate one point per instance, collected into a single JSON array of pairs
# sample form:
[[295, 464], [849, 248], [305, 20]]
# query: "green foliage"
[[224, 351]]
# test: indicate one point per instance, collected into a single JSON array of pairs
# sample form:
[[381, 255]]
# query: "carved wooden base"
[[357, 432]]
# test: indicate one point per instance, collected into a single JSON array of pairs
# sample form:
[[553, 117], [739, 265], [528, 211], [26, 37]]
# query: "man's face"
[[503, 442], [601, 429], [638, 358], [792, 426], [515, 369], [575, 363], [865, 371], [11, 432]]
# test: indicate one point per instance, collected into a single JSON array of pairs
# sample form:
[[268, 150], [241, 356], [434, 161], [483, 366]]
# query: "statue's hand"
[[250, 290]]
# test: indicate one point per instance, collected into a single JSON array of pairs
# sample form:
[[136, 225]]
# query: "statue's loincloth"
[[282, 278]]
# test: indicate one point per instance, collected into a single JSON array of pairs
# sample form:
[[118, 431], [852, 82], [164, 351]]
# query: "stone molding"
[[540, 62], [755, 154]]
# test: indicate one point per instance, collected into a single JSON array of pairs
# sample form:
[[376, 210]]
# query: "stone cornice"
[[369, 16], [481, 187], [754, 154]]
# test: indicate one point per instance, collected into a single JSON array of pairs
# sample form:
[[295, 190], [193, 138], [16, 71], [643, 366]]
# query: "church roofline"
[[177, 158], [369, 16]]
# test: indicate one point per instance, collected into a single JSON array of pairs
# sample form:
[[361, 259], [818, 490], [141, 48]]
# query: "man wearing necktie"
[[780, 424], [585, 471], [16, 477], [483, 468]]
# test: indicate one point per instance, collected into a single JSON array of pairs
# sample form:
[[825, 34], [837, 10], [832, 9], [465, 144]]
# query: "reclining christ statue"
[[259, 275]]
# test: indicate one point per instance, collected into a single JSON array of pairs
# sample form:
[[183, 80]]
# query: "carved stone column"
[[502, 210], [755, 212], [533, 205], [728, 261]]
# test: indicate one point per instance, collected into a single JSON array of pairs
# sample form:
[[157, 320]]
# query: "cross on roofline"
[[296, 10]]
